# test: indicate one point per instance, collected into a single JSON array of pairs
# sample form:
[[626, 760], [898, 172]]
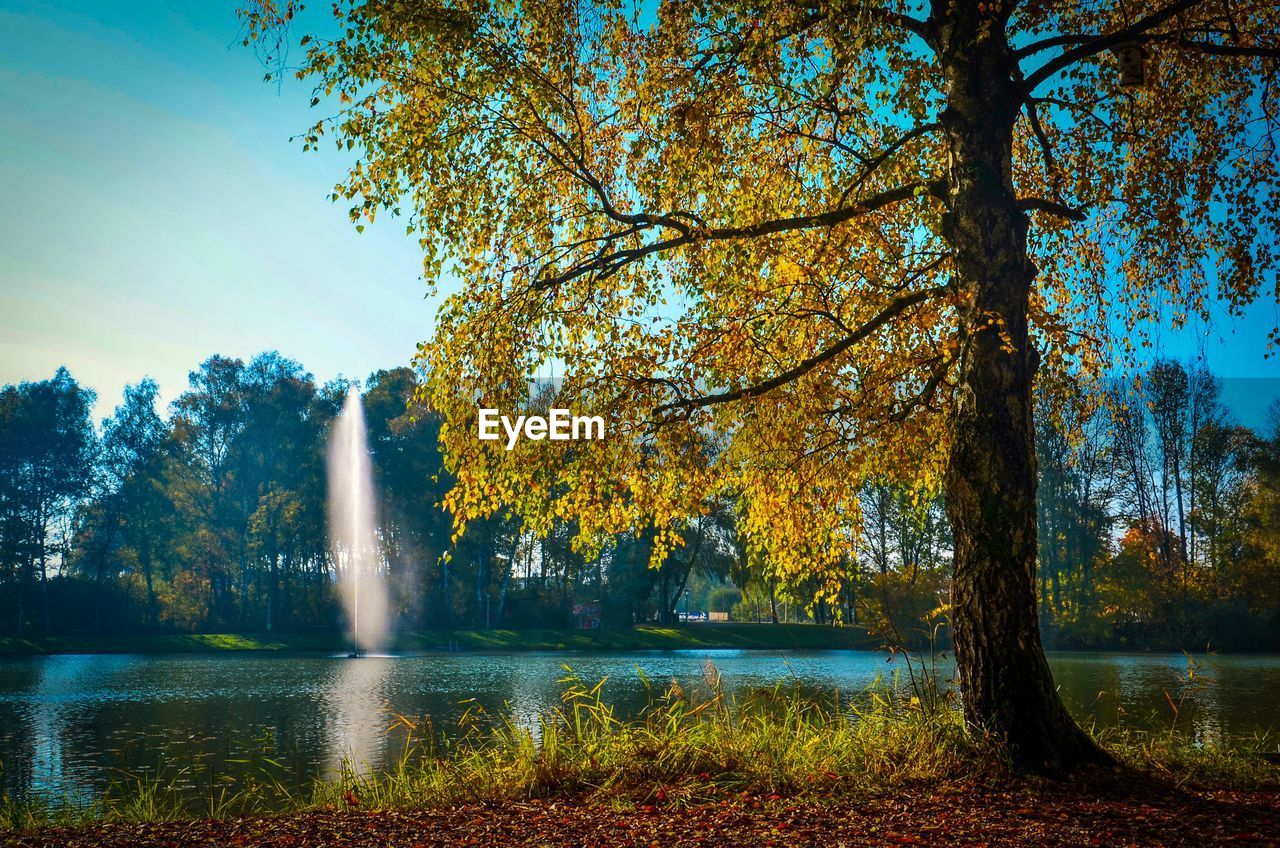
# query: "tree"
[[708, 547], [1076, 493], [1166, 389], [1178, 460], [279, 479], [410, 482], [905, 522], [47, 460], [845, 236], [207, 420], [246, 477], [1257, 574], [127, 509], [1223, 470]]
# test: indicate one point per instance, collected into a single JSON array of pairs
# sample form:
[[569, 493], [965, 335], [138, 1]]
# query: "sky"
[[155, 213]]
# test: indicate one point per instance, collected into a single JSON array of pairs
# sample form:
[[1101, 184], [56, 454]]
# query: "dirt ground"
[[1013, 815]]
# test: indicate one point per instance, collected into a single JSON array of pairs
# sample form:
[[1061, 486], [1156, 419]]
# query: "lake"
[[71, 725]]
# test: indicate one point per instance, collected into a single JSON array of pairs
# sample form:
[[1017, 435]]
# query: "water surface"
[[70, 725]]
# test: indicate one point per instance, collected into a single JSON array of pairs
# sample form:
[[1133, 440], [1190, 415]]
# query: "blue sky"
[[155, 213]]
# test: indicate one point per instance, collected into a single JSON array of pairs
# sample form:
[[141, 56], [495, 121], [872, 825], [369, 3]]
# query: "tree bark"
[[1006, 686]]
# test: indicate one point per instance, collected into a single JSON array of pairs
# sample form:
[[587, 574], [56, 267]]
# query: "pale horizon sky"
[[156, 214]]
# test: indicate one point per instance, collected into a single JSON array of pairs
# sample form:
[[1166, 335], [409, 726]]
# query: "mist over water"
[[351, 527]]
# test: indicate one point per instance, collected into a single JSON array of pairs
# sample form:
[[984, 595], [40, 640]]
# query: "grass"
[[169, 643], [650, 637], [644, 637], [685, 748]]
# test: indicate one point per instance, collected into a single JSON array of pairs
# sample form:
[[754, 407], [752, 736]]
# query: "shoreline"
[[640, 638], [730, 636]]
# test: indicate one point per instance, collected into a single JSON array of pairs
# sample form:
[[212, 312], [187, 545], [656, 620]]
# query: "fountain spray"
[[352, 529]]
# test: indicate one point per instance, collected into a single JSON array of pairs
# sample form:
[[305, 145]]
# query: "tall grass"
[[686, 745]]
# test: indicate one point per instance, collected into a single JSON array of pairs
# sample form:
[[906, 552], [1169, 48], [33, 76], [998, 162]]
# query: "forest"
[[1159, 523]]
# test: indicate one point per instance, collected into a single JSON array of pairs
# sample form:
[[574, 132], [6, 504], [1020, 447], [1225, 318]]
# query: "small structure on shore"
[[586, 616]]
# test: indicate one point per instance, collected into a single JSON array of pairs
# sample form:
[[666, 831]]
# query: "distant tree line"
[[213, 518], [1159, 519], [1158, 523]]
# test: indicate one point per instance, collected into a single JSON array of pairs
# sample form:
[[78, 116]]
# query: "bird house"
[[1132, 59]]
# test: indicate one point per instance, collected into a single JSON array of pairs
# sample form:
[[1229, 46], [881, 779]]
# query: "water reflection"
[[1211, 698], [70, 725], [57, 739], [358, 714]]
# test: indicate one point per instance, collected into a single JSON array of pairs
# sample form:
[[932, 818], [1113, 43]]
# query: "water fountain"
[[352, 528]]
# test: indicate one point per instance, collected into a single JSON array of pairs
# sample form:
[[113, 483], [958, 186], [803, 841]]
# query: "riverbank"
[[895, 767], [1055, 816], [639, 638]]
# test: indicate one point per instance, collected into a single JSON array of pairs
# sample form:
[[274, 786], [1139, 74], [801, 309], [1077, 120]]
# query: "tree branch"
[[1050, 43], [884, 156], [925, 396], [1062, 210], [607, 263], [812, 19], [1050, 161], [895, 307], [1094, 46], [903, 21], [1229, 49]]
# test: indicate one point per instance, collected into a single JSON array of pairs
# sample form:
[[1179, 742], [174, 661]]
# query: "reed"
[[688, 745]]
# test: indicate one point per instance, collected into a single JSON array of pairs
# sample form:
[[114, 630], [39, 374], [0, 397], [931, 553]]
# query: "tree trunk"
[[446, 601], [675, 600], [273, 587], [153, 614], [663, 606], [44, 593], [271, 598], [24, 586], [483, 565], [1006, 686], [506, 579], [97, 590]]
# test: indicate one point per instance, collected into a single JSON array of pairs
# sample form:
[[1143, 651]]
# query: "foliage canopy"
[[725, 225]]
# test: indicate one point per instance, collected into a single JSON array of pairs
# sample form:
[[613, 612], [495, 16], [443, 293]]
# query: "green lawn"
[[645, 637]]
